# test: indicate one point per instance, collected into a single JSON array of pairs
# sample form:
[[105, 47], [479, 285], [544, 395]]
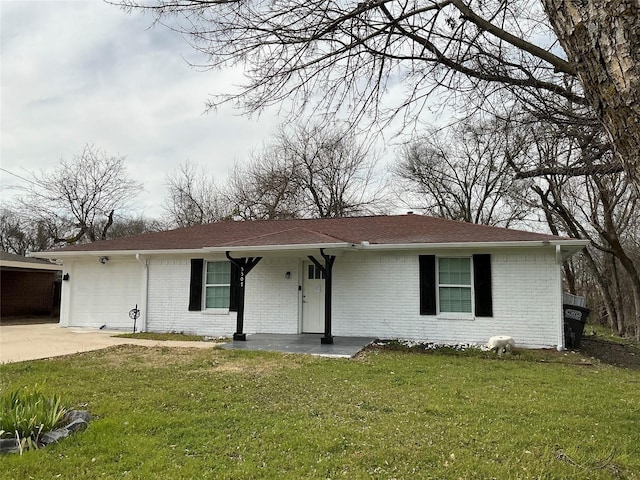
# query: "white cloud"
[[76, 72]]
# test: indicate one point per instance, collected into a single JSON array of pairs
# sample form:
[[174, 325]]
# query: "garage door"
[[104, 294]]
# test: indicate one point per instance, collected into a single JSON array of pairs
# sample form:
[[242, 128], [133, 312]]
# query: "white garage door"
[[104, 294]]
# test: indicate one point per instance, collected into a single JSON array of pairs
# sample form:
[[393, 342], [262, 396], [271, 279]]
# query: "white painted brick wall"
[[373, 295], [271, 301], [271, 304], [379, 296], [168, 303]]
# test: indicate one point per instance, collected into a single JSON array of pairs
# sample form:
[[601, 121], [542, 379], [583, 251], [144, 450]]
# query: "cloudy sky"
[[82, 71]]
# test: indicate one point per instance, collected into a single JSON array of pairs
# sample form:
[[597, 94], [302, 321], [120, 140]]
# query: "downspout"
[[145, 290], [560, 346]]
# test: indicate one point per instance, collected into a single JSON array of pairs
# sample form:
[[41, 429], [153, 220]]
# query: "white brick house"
[[406, 276]]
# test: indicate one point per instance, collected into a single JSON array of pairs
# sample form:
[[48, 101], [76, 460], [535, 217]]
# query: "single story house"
[[405, 276], [28, 287]]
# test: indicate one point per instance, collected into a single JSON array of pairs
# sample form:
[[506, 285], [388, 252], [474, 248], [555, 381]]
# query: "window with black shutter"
[[447, 283], [195, 286], [234, 294], [482, 285], [427, 284]]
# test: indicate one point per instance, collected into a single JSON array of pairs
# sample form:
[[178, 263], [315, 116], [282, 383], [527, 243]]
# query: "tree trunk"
[[620, 327], [602, 39], [569, 276], [603, 288]]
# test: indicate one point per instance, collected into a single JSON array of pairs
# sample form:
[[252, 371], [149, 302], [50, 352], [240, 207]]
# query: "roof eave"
[[29, 265], [573, 245], [259, 250], [569, 247], [105, 253]]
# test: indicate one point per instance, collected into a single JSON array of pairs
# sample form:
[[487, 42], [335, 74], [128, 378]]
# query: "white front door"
[[312, 299]]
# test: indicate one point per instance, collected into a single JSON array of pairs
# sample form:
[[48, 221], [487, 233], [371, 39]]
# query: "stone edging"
[[73, 421]]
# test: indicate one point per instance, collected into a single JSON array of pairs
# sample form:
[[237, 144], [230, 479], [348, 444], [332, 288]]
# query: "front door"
[[312, 299]]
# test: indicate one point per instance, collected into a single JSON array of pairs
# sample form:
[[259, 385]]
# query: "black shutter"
[[482, 285], [427, 284], [195, 288], [234, 290]]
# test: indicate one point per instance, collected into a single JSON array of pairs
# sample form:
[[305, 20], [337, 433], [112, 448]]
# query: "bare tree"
[[346, 55], [335, 172], [309, 171], [20, 236], [77, 200], [137, 225], [265, 188], [601, 39], [193, 197], [462, 173], [601, 207]]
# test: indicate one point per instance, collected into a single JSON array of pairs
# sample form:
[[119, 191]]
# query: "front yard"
[[175, 413]]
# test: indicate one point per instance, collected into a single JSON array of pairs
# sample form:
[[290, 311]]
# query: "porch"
[[307, 343]]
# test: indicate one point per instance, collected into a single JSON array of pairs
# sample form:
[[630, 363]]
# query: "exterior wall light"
[[104, 260], [287, 275]]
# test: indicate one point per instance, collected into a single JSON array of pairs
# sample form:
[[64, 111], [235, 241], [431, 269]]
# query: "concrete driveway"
[[31, 342]]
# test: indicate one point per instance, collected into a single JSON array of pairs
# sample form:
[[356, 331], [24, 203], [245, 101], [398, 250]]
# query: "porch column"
[[245, 265], [326, 269]]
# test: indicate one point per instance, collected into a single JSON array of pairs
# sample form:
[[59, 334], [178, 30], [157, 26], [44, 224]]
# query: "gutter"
[[194, 251], [106, 253], [569, 247], [257, 249]]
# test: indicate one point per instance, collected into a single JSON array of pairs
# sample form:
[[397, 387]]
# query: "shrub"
[[26, 413]]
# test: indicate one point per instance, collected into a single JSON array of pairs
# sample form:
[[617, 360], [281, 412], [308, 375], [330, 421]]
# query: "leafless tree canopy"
[[77, 200], [347, 56], [601, 207], [353, 52], [193, 197], [308, 171], [463, 174], [19, 235]]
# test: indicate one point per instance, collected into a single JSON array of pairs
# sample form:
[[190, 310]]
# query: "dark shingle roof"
[[31, 262], [10, 261], [398, 229]]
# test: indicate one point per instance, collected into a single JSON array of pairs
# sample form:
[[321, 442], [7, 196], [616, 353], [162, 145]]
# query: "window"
[[454, 285], [217, 284], [315, 273]]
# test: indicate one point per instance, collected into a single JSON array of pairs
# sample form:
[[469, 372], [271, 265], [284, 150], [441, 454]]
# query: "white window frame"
[[458, 315], [206, 286]]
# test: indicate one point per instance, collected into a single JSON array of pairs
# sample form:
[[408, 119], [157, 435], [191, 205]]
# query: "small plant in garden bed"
[[473, 350], [179, 336], [467, 349], [26, 413]]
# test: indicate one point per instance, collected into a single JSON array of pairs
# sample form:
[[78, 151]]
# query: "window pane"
[[455, 299], [454, 271], [315, 273], [217, 297], [218, 273]]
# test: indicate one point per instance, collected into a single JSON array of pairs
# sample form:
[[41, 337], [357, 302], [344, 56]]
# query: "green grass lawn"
[[183, 414]]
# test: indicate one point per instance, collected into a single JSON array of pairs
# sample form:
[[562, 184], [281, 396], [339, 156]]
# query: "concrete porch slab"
[[307, 343]]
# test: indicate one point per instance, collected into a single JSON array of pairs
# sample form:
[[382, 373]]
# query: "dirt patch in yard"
[[626, 355]]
